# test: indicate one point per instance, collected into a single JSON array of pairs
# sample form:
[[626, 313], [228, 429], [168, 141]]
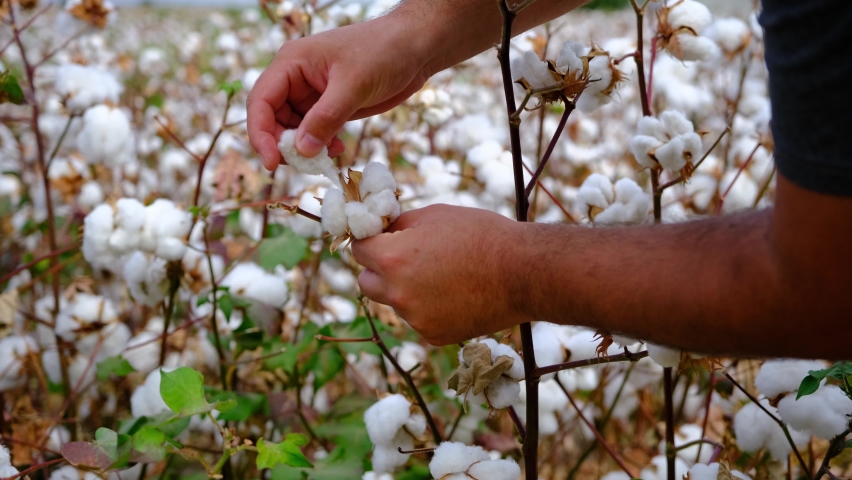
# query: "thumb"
[[322, 122]]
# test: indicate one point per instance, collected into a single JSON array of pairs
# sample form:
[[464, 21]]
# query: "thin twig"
[[833, 449], [35, 468], [517, 421], [698, 164], [668, 390], [293, 209], [621, 357], [569, 107], [743, 167], [61, 139], [213, 324]]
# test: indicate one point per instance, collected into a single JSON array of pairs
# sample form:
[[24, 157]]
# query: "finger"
[[409, 219], [287, 117], [336, 147], [373, 286], [322, 122], [267, 96], [366, 252]]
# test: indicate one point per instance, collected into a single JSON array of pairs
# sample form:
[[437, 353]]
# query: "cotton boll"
[[695, 48], [409, 354], [143, 351], [743, 191], [580, 345], [503, 392], [375, 178], [486, 151], [454, 457], [82, 87], [688, 14], [333, 212], [339, 309], [517, 370], [249, 281], [783, 376], [146, 279], [686, 434], [670, 154], [383, 204], [339, 278], [385, 417], [663, 356], [641, 146], [657, 469], [388, 458], [596, 191], [654, 127], [90, 195], [322, 164], [8, 471], [106, 136], [532, 69], [731, 34], [548, 349], [362, 222], [824, 413], [568, 61], [496, 470], [13, 350], [675, 123], [755, 430]]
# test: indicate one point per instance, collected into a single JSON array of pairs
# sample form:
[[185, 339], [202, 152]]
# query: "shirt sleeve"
[[810, 73]]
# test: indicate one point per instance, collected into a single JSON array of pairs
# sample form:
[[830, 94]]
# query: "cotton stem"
[[621, 357]]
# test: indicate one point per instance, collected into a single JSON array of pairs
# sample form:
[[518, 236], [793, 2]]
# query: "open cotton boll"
[[91, 194], [596, 191], [694, 48], [385, 417], [685, 434], [657, 470], [496, 470], [383, 204], [755, 430], [146, 278], [8, 471], [641, 146], [333, 212], [548, 349], [338, 309], [362, 222], [322, 164], [783, 376], [675, 123], [580, 345], [375, 178], [532, 69], [824, 413], [388, 458], [711, 472], [742, 190], [455, 457], [568, 61], [409, 354], [688, 14], [503, 392], [249, 281], [600, 81], [143, 351], [484, 152], [731, 34], [106, 136], [517, 370], [84, 86], [13, 350]]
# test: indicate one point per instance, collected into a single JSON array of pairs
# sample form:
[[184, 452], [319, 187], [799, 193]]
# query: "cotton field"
[[172, 310]]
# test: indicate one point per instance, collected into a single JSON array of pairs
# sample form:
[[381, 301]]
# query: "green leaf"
[[113, 365], [245, 405], [10, 91], [231, 88], [270, 454], [148, 445], [415, 472], [809, 385], [287, 249], [183, 391], [327, 363], [248, 336]]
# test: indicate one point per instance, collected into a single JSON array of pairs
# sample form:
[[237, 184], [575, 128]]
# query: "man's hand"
[[318, 83], [444, 270]]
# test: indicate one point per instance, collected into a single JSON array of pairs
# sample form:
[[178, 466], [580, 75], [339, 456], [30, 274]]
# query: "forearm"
[[731, 283], [455, 30]]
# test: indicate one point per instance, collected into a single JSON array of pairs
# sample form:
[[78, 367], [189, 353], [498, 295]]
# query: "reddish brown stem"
[[621, 357], [743, 167], [35, 468], [569, 107], [29, 264]]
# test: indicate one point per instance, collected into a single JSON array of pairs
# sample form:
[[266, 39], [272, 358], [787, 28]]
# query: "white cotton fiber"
[[455, 457], [532, 69], [503, 392], [824, 413], [663, 356], [755, 430], [322, 164], [385, 417], [383, 204], [568, 61], [496, 470], [711, 472], [596, 191], [333, 212], [375, 178], [362, 222], [106, 137], [782, 376]]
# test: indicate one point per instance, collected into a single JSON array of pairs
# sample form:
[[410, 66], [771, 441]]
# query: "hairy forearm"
[[734, 284], [455, 30]]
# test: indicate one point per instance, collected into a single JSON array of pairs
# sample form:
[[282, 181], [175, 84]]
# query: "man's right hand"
[[318, 83]]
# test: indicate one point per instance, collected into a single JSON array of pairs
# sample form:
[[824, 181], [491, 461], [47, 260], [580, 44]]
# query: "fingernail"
[[309, 145]]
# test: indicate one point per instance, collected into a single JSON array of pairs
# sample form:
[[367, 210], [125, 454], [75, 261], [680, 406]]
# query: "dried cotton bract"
[[490, 369], [669, 141], [393, 423], [457, 461]]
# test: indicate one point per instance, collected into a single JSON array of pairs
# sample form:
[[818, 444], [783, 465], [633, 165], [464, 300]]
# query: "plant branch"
[[618, 460], [621, 357], [377, 339], [293, 209], [61, 139], [668, 390], [217, 342], [734, 180], [569, 107], [29, 264], [517, 421], [834, 448], [700, 161]]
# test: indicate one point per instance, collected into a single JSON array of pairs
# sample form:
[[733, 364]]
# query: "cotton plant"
[[360, 206], [106, 137], [393, 423], [680, 25], [81, 87], [669, 142], [607, 204], [755, 430], [457, 461], [488, 372], [14, 352]]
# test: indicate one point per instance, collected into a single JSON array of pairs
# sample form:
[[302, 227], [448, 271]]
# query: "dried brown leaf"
[[477, 371], [91, 11], [234, 178]]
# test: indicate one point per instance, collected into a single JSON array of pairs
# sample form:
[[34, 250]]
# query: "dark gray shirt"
[[809, 57]]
